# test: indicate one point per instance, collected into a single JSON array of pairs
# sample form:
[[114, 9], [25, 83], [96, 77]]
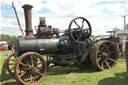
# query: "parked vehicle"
[[2, 45]]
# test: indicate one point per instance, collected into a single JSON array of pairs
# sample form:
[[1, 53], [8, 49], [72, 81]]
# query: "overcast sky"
[[102, 14]]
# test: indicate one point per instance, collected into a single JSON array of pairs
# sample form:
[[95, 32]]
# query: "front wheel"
[[30, 68]]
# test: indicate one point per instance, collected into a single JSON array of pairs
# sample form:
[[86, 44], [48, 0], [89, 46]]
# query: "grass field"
[[76, 75]]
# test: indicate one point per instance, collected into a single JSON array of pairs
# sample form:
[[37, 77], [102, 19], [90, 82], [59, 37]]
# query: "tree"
[[115, 29], [8, 38]]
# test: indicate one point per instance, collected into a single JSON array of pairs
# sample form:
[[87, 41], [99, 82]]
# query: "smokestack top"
[[27, 6]]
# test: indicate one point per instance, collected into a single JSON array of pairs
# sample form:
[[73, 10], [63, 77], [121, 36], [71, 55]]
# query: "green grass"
[[76, 75]]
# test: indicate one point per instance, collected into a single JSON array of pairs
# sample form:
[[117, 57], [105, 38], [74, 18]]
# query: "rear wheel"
[[11, 61], [104, 55]]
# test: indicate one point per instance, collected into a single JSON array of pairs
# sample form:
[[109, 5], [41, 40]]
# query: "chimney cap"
[[27, 6]]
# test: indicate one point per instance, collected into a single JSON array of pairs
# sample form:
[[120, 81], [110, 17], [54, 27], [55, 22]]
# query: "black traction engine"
[[59, 47]]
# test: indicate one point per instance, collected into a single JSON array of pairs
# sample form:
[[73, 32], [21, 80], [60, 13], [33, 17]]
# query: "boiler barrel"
[[42, 46]]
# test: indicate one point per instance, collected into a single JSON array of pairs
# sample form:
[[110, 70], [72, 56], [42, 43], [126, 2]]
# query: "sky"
[[103, 15]]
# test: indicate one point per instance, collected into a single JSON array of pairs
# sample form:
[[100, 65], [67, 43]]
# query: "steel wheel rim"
[[29, 70]]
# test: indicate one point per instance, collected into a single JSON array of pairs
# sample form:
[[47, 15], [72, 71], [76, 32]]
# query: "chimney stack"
[[28, 21]]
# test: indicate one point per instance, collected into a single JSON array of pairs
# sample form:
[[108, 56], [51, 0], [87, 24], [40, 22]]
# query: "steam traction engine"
[[74, 45]]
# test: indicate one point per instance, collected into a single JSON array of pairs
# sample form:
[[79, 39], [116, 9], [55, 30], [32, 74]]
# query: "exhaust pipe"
[[28, 21]]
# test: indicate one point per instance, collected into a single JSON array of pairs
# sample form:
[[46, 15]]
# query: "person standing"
[[121, 48], [6, 50], [13, 48]]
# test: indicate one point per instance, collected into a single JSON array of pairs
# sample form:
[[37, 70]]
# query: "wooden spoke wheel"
[[104, 55], [30, 68], [11, 61]]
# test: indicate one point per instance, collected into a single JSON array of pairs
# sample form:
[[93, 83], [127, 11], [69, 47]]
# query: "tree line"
[[10, 39]]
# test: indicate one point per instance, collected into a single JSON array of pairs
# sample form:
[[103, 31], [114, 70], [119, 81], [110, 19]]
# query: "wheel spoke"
[[84, 34], [33, 73], [104, 48], [82, 24], [31, 77], [112, 60], [98, 58], [23, 64], [12, 68], [107, 64], [22, 74], [98, 51], [31, 60], [13, 60], [26, 60], [100, 55], [23, 69], [76, 24], [11, 64], [39, 68], [35, 77], [39, 73], [15, 57]]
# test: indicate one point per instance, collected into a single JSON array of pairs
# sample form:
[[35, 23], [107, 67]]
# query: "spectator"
[[6, 50], [121, 48], [13, 48]]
